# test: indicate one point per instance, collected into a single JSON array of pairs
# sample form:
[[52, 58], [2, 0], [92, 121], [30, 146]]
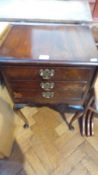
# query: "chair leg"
[[21, 115], [88, 123], [87, 126], [92, 124], [87, 117], [83, 124]]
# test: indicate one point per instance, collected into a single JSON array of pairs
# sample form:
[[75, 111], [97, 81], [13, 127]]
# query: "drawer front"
[[62, 92], [49, 73], [46, 97], [49, 86]]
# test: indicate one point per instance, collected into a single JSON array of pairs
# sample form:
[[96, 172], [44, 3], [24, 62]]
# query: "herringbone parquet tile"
[[48, 147]]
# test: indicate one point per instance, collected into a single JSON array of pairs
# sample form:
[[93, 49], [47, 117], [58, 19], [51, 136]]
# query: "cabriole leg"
[[21, 115]]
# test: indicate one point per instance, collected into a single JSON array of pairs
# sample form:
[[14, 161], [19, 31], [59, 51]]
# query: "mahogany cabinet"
[[48, 64], [49, 57]]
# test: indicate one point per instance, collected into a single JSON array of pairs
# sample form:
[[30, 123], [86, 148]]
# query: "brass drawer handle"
[[47, 86], [46, 73], [48, 94]]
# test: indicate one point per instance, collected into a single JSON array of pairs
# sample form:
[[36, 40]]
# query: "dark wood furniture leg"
[[87, 118], [21, 115], [92, 124], [77, 115], [89, 123]]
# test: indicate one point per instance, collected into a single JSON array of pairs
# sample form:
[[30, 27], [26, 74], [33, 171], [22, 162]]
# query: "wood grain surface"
[[49, 43]]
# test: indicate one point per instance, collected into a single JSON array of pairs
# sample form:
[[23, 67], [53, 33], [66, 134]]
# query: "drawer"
[[50, 85], [63, 92], [39, 96], [46, 73]]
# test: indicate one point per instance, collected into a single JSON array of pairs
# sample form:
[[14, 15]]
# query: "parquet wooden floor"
[[48, 147]]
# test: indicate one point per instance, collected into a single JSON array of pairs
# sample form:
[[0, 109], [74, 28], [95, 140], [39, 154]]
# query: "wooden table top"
[[49, 43]]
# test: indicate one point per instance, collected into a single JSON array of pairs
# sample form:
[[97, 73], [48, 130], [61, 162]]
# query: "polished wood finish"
[[61, 43], [64, 73], [71, 92], [21, 115], [60, 96], [49, 53], [71, 84], [77, 115], [87, 116]]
